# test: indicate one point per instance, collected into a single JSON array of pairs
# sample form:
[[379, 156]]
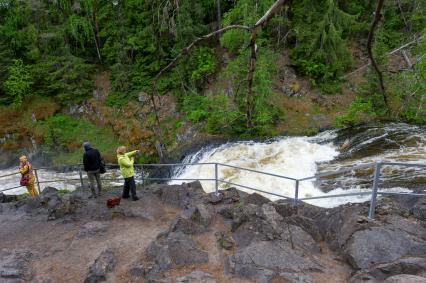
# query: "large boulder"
[[182, 196], [378, 245], [173, 250], [265, 260]]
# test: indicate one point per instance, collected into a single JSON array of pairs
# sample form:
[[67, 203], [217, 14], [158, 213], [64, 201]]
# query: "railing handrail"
[[376, 165], [321, 175]]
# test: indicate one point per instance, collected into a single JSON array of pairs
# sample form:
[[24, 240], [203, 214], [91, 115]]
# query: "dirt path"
[[63, 250]]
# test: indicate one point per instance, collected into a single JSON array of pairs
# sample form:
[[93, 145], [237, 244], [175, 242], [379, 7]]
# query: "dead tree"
[[377, 18]]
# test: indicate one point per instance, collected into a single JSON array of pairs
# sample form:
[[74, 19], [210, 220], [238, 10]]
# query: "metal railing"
[[217, 180]]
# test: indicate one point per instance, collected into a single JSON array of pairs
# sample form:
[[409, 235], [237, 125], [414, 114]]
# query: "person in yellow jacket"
[[126, 161], [26, 170]]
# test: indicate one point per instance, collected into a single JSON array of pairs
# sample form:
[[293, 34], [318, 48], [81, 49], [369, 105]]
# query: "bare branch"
[[194, 43], [275, 8]]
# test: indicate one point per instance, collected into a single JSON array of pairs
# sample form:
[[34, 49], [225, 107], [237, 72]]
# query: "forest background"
[[74, 70]]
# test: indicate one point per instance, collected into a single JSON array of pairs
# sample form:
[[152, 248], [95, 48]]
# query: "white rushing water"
[[295, 157]]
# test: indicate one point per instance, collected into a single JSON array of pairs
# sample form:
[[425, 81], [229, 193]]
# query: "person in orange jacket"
[[26, 170]]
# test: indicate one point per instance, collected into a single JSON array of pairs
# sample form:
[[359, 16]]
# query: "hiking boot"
[[135, 198]]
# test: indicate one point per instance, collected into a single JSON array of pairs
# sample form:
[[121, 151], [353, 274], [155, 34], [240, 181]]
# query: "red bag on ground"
[[113, 202]]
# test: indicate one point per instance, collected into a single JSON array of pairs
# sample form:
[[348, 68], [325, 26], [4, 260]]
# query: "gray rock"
[[186, 226], [92, 229], [339, 224], [182, 195], [197, 276], [14, 265], [214, 198], [176, 249], [410, 265], [256, 199], [405, 278], [224, 240], [7, 198], [49, 190], [307, 224], [263, 260], [419, 209], [289, 277], [377, 245], [103, 264]]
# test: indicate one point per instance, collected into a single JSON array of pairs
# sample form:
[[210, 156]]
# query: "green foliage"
[[361, 110], [68, 78], [65, 134], [410, 89], [19, 83], [321, 29], [205, 63], [244, 12]]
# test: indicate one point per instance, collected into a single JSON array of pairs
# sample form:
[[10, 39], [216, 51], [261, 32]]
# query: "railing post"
[[81, 177], [38, 181], [216, 179], [296, 193], [143, 181], [376, 179]]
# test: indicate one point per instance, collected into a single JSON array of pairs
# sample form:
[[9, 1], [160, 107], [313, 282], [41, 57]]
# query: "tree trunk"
[[96, 29], [219, 15], [377, 17], [250, 77]]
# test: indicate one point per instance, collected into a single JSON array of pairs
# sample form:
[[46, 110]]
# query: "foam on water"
[[294, 157]]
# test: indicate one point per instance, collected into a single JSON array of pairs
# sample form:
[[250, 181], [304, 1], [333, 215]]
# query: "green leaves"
[[19, 83], [205, 63]]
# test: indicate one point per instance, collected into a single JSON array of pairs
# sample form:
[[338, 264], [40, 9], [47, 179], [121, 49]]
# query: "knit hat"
[[87, 146]]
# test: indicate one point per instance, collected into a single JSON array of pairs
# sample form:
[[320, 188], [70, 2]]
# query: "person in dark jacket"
[[92, 163]]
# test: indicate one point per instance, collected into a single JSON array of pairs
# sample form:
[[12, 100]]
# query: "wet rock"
[[175, 249], [197, 276], [377, 245], [103, 264], [92, 229], [405, 278], [265, 260], [14, 266]]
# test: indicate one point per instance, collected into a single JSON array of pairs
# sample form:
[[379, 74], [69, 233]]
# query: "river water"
[[300, 157]]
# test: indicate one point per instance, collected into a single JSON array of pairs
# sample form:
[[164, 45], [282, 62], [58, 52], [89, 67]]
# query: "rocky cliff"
[[181, 234]]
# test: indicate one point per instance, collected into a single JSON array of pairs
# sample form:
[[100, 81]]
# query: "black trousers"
[[129, 186]]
